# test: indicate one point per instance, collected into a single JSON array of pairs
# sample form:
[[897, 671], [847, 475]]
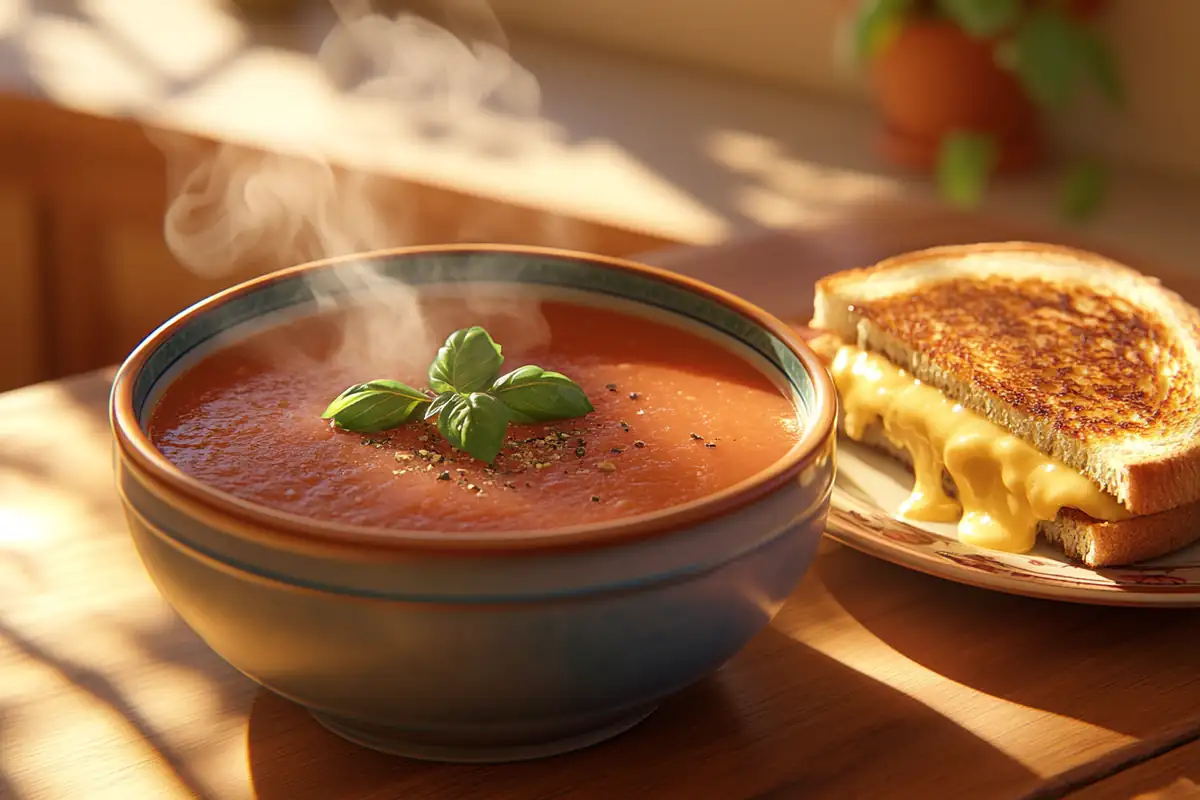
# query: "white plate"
[[870, 487]]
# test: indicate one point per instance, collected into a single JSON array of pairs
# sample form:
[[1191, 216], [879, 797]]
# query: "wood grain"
[[1172, 776], [871, 682]]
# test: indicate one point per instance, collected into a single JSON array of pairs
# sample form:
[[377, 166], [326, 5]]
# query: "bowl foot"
[[399, 742]]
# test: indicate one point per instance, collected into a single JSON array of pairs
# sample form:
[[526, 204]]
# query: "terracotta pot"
[[1086, 9], [934, 80]]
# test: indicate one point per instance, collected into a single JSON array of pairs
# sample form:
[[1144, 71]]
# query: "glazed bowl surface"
[[476, 647]]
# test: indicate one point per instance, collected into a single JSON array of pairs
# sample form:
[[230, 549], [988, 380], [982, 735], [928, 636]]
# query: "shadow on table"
[[1129, 670], [777, 721], [170, 645], [42, 583]]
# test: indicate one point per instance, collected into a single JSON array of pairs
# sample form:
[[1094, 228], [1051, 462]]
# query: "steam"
[[235, 209]]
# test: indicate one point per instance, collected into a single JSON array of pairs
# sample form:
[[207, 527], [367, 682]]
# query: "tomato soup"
[[678, 416]]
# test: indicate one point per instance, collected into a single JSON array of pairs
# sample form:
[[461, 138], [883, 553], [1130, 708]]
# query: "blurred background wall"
[[793, 43]]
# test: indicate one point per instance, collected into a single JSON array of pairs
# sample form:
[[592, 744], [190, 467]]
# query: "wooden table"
[[872, 681]]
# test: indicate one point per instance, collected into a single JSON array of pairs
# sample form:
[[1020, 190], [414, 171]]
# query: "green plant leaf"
[[376, 406], [475, 424], [1098, 61], [982, 18], [439, 403], [467, 362], [1049, 56], [965, 163], [534, 395], [1083, 191], [877, 25]]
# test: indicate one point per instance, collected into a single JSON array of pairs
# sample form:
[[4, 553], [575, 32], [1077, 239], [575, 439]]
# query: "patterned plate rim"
[[873, 531]]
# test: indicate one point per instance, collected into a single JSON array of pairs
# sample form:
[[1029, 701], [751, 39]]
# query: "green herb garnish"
[[475, 424], [468, 362], [533, 394], [472, 405], [376, 406]]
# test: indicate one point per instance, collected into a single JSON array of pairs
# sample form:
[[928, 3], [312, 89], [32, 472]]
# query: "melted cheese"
[[1005, 486]]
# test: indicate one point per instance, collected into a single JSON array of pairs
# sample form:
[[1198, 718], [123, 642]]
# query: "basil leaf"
[[468, 362], [454, 404], [376, 406], [535, 395], [439, 403], [475, 424]]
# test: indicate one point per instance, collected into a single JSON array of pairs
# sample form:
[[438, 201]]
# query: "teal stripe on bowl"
[[166, 522], [473, 266]]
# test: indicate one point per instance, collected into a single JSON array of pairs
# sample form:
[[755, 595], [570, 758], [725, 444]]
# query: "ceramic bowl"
[[470, 648]]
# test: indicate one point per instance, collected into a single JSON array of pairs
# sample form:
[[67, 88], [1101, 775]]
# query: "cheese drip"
[[1005, 486]]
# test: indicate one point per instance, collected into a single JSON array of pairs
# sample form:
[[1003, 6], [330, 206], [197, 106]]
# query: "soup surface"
[[677, 417]]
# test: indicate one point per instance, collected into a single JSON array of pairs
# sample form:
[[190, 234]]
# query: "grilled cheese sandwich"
[[1005, 487], [1032, 388]]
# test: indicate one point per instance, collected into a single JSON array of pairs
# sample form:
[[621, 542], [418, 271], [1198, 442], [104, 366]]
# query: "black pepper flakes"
[[581, 451], [617, 450], [639, 443], [710, 444], [444, 475], [696, 436], [595, 498], [634, 395], [612, 387]]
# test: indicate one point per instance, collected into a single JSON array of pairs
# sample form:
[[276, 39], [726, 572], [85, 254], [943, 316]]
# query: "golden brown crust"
[[981, 248], [1093, 363], [1114, 544], [1086, 363]]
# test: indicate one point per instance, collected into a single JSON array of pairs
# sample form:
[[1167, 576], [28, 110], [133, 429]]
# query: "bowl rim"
[[294, 532]]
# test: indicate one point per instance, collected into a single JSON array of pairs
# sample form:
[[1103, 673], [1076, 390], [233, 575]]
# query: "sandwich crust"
[[1091, 362]]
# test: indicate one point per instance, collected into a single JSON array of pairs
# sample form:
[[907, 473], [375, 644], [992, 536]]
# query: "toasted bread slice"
[[1091, 362]]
